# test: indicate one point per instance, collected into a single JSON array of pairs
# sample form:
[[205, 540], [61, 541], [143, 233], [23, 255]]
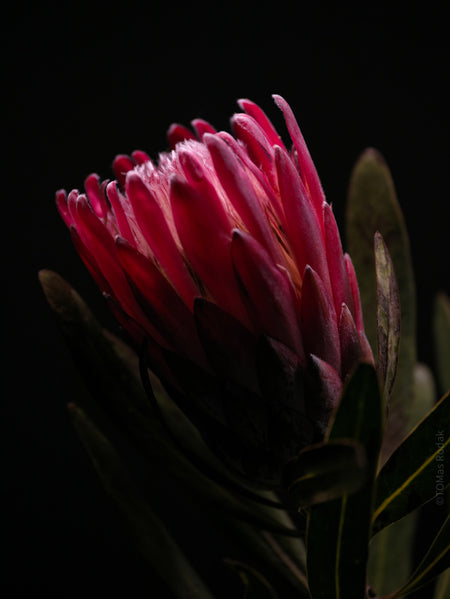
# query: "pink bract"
[[227, 245]]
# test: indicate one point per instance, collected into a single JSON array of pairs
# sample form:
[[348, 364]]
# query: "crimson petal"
[[303, 228], [201, 127], [318, 320], [101, 245], [140, 157], [96, 195], [122, 164], [326, 386], [178, 133], [63, 209], [350, 344], [113, 194], [261, 118], [258, 146], [307, 169], [336, 263], [241, 192], [205, 233], [269, 293], [168, 313], [156, 232]]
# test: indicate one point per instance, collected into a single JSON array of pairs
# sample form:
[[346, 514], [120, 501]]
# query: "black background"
[[82, 83]]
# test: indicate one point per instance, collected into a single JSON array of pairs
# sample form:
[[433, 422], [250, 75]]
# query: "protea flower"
[[226, 260]]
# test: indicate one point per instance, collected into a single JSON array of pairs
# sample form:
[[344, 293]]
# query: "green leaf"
[[391, 555], [110, 371], [435, 561], [441, 330], [388, 315], [338, 531], [372, 206], [424, 396], [409, 477], [442, 590], [155, 542], [255, 584], [326, 471]]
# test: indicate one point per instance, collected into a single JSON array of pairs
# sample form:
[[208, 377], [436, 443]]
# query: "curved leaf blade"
[[373, 206], [155, 542], [435, 561], [326, 471], [391, 555], [338, 531], [388, 315], [408, 479]]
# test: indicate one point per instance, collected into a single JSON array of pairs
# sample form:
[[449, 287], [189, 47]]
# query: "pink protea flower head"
[[225, 258]]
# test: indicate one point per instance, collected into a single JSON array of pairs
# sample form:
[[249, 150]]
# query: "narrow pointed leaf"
[[435, 561], [408, 479], [388, 315], [441, 330], [255, 584], [111, 379], [372, 206], [326, 471], [338, 531], [155, 542]]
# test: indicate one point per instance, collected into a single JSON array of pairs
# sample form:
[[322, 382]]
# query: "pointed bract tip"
[[44, 275], [209, 138], [372, 155], [56, 290], [140, 157], [279, 100], [121, 241], [237, 234]]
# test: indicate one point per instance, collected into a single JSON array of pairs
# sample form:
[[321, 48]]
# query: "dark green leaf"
[[435, 561], [424, 396], [442, 590], [255, 584], [102, 361], [391, 555], [409, 478], [372, 206], [109, 370], [326, 471], [155, 542], [391, 550], [388, 315], [338, 531], [441, 330]]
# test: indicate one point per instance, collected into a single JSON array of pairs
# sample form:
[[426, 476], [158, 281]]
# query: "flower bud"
[[226, 260]]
